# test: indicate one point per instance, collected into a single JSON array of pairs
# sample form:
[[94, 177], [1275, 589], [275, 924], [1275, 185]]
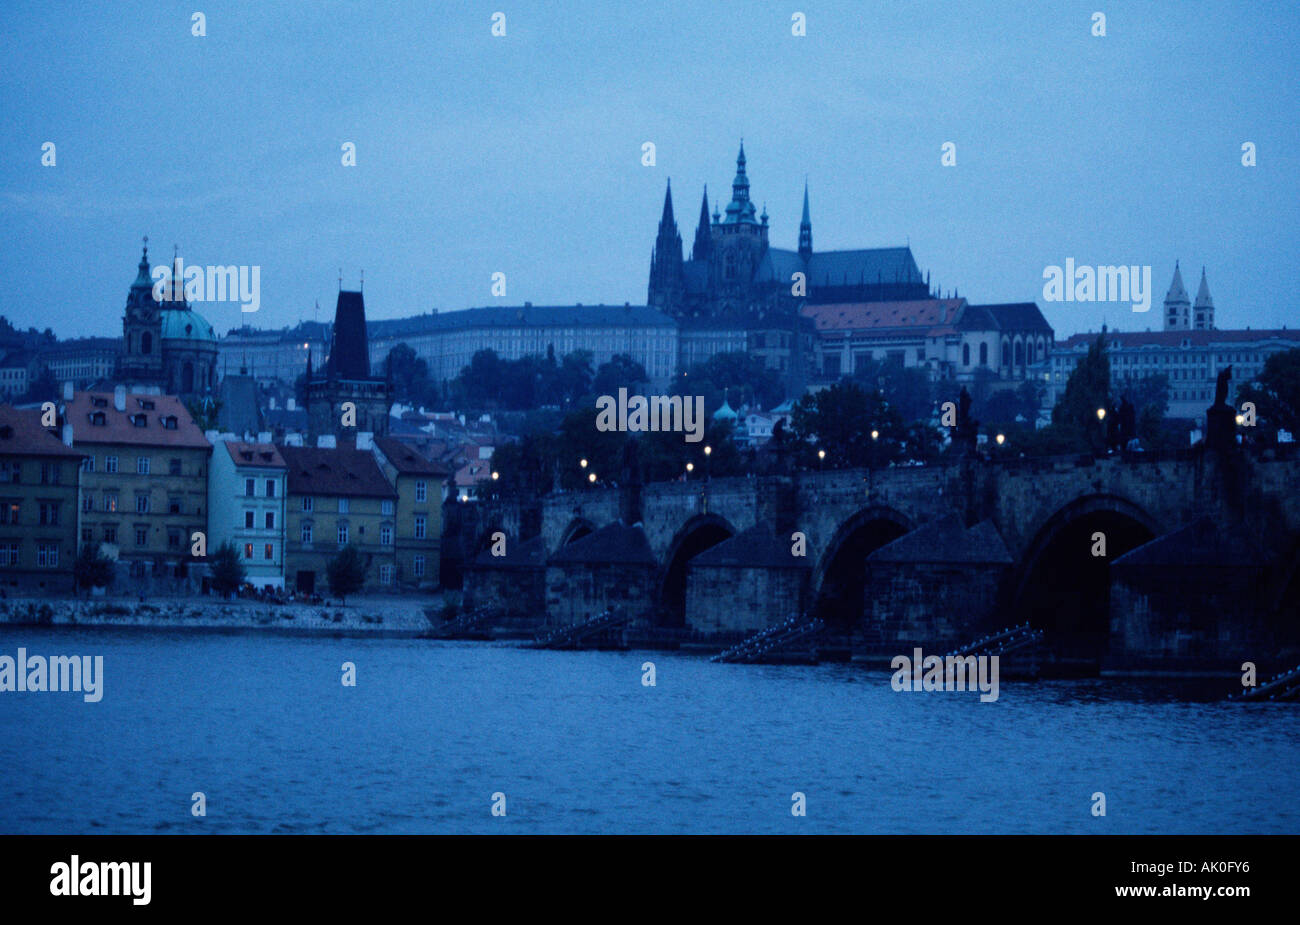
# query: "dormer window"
[[145, 404], [99, 402], [169, 422], [98, 418]]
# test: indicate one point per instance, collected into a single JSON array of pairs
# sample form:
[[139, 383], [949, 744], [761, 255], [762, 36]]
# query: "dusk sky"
[[522, 153]]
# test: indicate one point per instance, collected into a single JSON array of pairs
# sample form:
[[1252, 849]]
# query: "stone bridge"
[[928, 555]]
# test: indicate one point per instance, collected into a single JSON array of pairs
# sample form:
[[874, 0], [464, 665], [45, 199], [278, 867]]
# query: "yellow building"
[[418, 481], [337, 496], [144, 485], [38, 505]]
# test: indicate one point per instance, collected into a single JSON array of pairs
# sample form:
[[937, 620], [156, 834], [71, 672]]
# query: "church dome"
[[185, 324]]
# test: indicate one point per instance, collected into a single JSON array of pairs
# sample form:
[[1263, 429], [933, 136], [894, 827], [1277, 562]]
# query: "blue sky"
[[522, 153]]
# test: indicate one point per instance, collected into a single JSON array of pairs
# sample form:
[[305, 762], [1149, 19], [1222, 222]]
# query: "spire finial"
[[340, 279], [362, 287]]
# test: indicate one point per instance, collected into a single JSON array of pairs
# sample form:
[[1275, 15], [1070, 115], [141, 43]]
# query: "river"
[[264, 728]]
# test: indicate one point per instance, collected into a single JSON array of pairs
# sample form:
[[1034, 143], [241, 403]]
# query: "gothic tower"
[[343, 398], [739, 243], [141, 358], [666, 275], [1178, 310], [1203, 309]]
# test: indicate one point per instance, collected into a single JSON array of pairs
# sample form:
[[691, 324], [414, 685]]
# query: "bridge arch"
[[1059, 586], [839, 580], [576, 530], [701, 532]]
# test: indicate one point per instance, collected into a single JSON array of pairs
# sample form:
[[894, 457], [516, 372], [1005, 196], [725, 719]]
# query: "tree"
[[906, 388], [620, 372], [346, 572], [1276, 392], [1088, 389], [409, 376], [741, 378], [92, 569], [840, 420], [227, 569]]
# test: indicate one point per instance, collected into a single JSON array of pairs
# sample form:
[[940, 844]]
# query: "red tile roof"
[[21, 434], [143, 423], [922, 313], [334, 471], [261, 455], [1176, 338], [406, 459]]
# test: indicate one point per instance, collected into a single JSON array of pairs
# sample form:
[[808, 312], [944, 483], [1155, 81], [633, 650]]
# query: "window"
[[50, 473], [343, 506], [270, 520], [385, 574], [417, 565], [47, 555], [965, 354], [141, 503], [420, 526], [343, 534], [269, 552], [169, 422], [110, 534], [173, 538], [248, 550], [110, 502], [49, 514], [110, 464], [11, 472], [173, 467], [87, 535], [88, 464], [306, 533], [248, 520], [9, 554], [270, 488], [142, 536], [173, 505], [142, 465], [9, 512], [421, 491], [386, 507], [984, 354], [385, 535], [306, 503], [249, 488]]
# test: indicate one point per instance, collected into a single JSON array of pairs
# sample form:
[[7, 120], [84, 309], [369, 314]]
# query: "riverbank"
[[377, 617]]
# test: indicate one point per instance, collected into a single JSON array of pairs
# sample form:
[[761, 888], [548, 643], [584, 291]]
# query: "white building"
[[246, 491]]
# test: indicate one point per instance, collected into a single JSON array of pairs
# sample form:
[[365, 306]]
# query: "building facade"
[[144, 485], [417, 528], [337, 496], [246, 504], [1191, 360], [273, 356], [39, 485]]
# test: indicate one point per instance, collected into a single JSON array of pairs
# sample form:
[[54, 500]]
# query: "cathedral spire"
[[703, 236], [740, 210], [805, 226], [1203, 309], [666, 276], [1177, 306]]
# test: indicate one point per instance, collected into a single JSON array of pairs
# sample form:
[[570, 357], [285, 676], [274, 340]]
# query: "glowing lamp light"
[[1001, 439], [583, 463], [591, 477], [1101, 414], [1240, 420], [690, 467], [708, 450], [495, 476], [821, 454], [875, 435]]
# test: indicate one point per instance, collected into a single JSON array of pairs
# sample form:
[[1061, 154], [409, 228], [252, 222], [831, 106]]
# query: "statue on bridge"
[[1221, 417], [967, 427]]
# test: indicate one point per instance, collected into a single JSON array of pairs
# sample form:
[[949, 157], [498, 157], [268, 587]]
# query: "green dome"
[[183, 324]]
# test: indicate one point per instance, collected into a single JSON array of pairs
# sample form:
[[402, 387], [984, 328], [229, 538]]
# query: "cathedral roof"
[[919, 313], [863, 267]]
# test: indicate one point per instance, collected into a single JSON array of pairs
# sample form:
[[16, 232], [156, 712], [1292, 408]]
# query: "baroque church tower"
[[141, 357]]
